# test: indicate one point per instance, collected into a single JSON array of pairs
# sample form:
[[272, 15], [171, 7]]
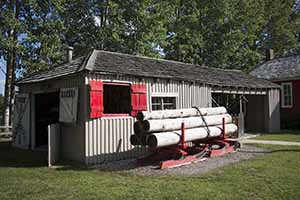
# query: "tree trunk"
[[7, 89], [14, 62], [10, 69]]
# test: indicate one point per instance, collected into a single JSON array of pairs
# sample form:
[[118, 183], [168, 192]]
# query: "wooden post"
[[182, 138], [223, 128], [241, 119]]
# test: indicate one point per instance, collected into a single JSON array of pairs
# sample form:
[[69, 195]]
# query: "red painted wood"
[[221, 152], [115, 115], [138, 98], [96, 85], [293, 113], [223, 128], [143, 101], [190, 154], [138, 88], [176, 163], [182, 137], [96, 99]]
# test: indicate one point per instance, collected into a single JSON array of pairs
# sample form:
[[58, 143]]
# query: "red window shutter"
[[143, 97], [96, 99], [138, 98]]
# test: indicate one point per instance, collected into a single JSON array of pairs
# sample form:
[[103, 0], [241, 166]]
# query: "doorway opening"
[[236, 105], [46, 113], [230, 101]]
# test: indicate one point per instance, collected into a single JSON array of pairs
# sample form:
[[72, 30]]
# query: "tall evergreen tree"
[[10, 28]]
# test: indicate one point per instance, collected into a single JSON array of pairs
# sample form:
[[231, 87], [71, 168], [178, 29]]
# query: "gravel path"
[[200, 167]]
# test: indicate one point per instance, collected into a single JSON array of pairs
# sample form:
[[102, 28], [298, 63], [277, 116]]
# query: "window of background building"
[[286, 95]]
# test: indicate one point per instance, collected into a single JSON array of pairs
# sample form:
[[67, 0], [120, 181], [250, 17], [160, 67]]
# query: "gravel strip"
[[200, 167]]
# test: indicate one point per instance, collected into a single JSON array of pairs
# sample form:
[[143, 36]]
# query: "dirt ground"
[[129, 166]]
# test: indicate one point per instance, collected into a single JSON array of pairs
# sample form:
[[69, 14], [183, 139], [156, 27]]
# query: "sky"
[[2, 76]]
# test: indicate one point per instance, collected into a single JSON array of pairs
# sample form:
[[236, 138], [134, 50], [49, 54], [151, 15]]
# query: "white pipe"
[[160, 125], [171, 138], [189, 112]]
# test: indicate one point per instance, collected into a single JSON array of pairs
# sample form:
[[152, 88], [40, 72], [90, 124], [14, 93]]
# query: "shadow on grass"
[[14, 157], [19, 158]]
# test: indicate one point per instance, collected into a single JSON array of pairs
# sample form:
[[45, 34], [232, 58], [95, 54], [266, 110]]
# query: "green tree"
[[144, 29], [30, 40], [42, 43], [282, 26], [10, 27], [184, 39], [134, 27], [231, 33]]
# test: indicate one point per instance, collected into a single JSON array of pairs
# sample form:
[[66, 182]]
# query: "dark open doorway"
[[46, 113], [230, 101], [236, 105]]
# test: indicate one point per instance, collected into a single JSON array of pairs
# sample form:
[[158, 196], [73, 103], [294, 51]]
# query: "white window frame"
[[165, 95], [290, 84]]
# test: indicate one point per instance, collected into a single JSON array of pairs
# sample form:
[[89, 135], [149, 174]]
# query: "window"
[[286, 95], [163, 103], [117, 99]]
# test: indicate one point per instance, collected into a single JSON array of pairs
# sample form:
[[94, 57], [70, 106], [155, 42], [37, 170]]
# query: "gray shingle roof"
[[279, 69], [54, 72], [116, 63]]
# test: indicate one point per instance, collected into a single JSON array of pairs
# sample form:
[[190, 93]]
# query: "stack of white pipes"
[[163, 128]]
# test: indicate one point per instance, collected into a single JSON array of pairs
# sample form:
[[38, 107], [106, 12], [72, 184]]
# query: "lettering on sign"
[[68, 93]]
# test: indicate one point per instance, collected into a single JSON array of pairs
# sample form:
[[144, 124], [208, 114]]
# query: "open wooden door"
[[68, 100], [53, 144], [21, 121]]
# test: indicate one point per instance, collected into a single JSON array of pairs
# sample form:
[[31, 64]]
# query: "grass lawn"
[[274, 176], [291, 136]]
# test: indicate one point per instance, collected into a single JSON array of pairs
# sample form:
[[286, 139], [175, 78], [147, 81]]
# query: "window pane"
[[116, 99], [287, 94], [289, 101], [156, 100], [169, 102], [156, 107], [156, 103]]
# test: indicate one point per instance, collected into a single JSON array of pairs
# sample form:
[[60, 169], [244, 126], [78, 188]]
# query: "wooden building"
[[95, 98], [286, 73]]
